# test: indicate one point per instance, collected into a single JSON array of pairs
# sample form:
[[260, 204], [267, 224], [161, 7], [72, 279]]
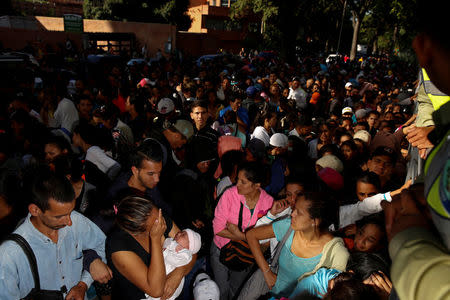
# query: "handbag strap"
[[278, 248], [240, 217], [30, 256]]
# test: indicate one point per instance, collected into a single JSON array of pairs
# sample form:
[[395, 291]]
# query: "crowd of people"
[[139, 178]]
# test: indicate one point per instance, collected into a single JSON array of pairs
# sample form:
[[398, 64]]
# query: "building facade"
[[213, 29]]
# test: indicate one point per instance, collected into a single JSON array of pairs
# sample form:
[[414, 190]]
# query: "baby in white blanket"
[[178, 252]]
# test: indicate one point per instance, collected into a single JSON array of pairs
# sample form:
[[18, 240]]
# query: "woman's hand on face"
[[381, 283], [158, 228], [278, 206], [270, 278]]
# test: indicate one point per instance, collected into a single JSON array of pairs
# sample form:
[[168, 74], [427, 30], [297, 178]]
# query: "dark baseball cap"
[[385, 151]]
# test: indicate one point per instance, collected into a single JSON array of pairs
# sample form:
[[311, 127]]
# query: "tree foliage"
[[6, 8], [156, 11], [314, 26], [174, 12], [279, 21], [389, 25]]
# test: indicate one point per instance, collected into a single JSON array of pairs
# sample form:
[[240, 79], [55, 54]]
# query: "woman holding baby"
[[136, 252]]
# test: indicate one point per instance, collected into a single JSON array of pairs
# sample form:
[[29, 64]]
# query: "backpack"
[[227, 143]]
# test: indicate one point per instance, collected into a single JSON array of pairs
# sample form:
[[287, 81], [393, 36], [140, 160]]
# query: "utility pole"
[[342, 23]]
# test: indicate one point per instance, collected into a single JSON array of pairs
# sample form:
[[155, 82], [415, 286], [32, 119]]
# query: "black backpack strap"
[[30, 255]]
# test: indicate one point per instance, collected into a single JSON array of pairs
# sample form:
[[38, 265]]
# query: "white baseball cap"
[[205, 288], [347, 110], [279, 140], [165, 106], [363, 135]]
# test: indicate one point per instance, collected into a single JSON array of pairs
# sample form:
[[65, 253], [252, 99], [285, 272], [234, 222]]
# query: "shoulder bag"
[[36, 293], [236, 255], [256, 286]]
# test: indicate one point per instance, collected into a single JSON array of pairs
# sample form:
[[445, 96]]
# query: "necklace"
[[252, 200]]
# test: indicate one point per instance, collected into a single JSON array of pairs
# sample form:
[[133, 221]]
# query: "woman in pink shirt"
[[256, 202]]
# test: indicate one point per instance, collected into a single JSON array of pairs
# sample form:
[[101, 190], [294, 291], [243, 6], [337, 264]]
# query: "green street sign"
[[73, 23]]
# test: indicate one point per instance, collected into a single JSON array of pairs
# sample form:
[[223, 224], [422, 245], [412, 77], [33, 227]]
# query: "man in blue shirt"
[[57, 235], [241, 113]]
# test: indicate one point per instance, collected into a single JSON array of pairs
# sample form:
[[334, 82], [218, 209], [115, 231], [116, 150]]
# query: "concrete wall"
[[152, 34], [50, 30], [9, 40], [197, 44]]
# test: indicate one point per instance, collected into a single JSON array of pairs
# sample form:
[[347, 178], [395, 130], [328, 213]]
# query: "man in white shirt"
[[298, 94], [85, 137], [66, 113]]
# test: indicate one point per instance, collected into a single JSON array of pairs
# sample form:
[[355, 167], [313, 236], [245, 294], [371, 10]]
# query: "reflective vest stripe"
[[437, 97], [434, 199], [434, 167], [430, 88]]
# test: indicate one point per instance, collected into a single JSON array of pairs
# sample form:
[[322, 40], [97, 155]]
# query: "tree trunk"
[[356, 26], [394, 38]]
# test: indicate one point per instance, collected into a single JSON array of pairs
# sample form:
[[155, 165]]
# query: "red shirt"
[[120, 103]]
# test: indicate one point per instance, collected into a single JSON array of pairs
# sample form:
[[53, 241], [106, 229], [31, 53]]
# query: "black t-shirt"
[[120, 189], [120, 240], [211, 135], [170, 167]]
